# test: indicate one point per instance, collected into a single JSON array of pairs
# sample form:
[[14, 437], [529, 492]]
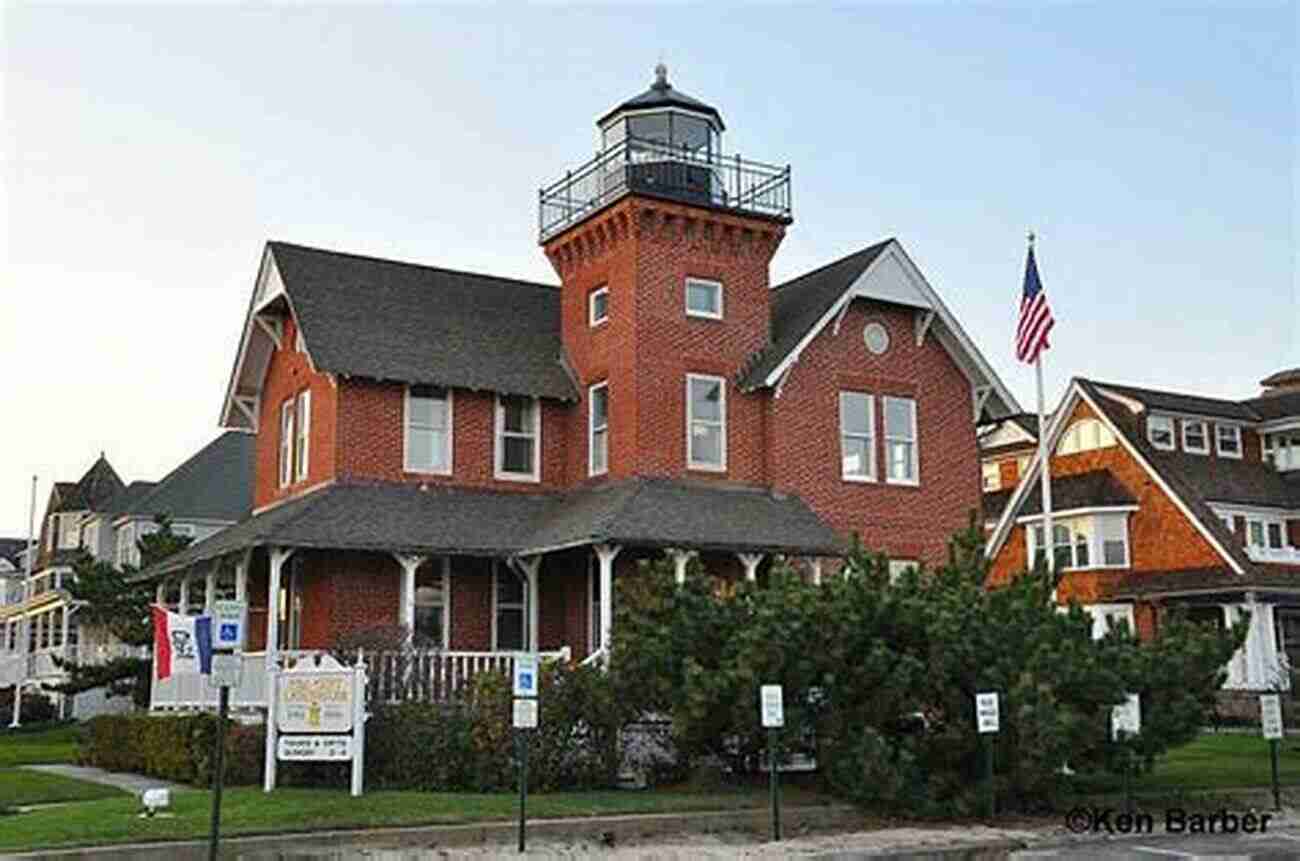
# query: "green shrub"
[[36, 707], [172, 747]]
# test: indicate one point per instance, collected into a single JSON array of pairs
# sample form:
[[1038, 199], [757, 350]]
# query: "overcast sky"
[[150, 151]]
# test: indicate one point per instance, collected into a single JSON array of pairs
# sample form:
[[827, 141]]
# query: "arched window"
[[1085, 435]]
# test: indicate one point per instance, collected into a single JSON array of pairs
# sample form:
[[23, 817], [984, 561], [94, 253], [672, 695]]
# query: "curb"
[[619, 829], [991, 850]]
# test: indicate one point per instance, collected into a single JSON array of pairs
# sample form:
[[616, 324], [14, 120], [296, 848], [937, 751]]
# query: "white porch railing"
[[433, 676]]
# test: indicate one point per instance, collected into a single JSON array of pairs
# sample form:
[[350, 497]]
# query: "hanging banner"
[[182, 644]]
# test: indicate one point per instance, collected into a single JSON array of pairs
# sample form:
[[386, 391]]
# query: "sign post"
[[988, 722], [1270, 718], [525, 718], [772, 712], [226, 672], [318, 713], [1126, 721]]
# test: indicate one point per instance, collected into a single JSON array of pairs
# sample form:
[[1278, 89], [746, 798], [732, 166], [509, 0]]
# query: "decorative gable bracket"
[[923, 321], [979, 394]]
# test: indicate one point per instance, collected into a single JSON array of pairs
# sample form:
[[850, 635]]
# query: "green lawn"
[[247, 810], [1224, 761], [20, 786], [33, 747]]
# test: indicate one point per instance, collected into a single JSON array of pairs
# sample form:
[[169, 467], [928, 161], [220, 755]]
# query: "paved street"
[[1282, 843]]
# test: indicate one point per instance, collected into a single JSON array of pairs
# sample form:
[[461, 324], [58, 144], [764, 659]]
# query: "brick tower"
[[662, 245]]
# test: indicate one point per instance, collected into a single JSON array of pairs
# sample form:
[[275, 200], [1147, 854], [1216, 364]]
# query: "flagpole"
[[1045, 466], [25, 622]]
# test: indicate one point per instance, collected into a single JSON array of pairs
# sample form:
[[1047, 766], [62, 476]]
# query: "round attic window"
[[875, 336]]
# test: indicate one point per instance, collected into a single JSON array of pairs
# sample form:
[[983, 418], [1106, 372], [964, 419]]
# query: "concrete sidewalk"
[[132, 783]]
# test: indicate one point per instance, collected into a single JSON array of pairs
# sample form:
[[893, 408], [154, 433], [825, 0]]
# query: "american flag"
[[1035, 316]]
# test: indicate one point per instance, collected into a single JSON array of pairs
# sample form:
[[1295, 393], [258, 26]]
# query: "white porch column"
[[406, 609], [277, 556], [184, 607], [160, 592], [210, 588], [680, 558], [529, 566], [816, 570], [750, 561], [63, 638], [605, 554], [241, 576]]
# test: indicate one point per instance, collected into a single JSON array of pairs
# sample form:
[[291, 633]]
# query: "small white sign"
[[1126, 718], [771, 708], [314, 701], [987, 718], [227, 670], [315, 747], [228, 624], [526, 675], [1270, 715], [525, 713]]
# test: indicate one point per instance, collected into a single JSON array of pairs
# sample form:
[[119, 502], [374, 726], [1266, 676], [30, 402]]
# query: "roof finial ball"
[[661, 77]]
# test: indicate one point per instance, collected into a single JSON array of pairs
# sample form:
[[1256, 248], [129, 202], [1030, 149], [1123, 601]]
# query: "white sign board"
[[986, 712], [227, 670], [312, 701], [526, 675], [1270, 715], [228, 624], [771, 708], [315, 747], [1126, 718], [525, 713]]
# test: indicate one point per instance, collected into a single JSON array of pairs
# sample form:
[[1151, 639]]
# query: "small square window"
[[703, 298], [1160, 431], [598, 306]]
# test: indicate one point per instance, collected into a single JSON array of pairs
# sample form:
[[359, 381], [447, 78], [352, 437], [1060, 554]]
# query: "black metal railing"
[[690, 176]]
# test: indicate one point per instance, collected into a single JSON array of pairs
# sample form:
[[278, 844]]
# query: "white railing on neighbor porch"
[[433, 676], [42, 665]]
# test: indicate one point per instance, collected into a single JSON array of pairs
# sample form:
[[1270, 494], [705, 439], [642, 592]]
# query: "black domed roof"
[[662, 95]]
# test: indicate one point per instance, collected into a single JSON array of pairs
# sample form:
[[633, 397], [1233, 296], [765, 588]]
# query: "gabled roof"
[[1176, 402], [95, 489], [214, 484], [804, 306], [1093, 489], [409, 518], [1275, 405], [1288, 377]]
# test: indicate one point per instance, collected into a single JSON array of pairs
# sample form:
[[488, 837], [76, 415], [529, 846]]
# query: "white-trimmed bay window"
[[1195, 437], [598, 306], [286, 442], [857, 436], [428, 426], [598, 429], [703, 298], [900, 441], [706, 422], [1087, 541], [302, 419], [1160, 431], [518, 438], [509, 610], [1229, 440], [1282, 449]]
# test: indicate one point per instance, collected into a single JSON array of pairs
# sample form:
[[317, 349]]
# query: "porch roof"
[[409, 518], [1207, 580]]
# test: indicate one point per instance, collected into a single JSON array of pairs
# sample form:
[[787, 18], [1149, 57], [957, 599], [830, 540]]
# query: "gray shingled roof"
[[214, 484], [1287, 377], [1093, 489], [1151, 584], [798, 304], [385, 320], [93, 491], [642, 512], [1275, 406], [133, 493], [1176, 402]]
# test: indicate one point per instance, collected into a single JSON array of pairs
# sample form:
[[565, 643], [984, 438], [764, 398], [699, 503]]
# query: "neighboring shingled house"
[[1166, 499], [477, 458]]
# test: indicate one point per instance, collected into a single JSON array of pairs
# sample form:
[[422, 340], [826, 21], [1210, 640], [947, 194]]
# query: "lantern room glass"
[[653, 132]]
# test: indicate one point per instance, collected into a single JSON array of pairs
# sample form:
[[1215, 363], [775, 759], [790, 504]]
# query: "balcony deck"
[[635, 166]]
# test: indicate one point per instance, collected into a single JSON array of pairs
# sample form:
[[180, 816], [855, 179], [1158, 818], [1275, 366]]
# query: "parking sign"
[[526, 675]]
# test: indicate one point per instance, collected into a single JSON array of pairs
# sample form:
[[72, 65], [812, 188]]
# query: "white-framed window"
[[286, 442], [427, 438], [992, 476], [899, 567], [1160, 431], [1107, 616], [69, 531], [433, 604], [900, 440], [598, 306], [1282, 449], [126, 545], [90, 537], [1085, 435], [519, 433], [1229, 440], [706, 422], [1090, 541], [1195, 438], [1265, 532], [857, 436], [303, 422], [510, 610], [593, 603], [598, 429], [703, 298]]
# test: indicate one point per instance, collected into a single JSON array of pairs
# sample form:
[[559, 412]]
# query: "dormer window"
[[1195, 440], [1160, 431], [1229, 440]]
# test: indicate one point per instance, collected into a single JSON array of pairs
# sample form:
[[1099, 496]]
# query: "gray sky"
[[149, 151]]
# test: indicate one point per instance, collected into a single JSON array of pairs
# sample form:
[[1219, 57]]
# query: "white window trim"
[[1173, 432], [591, 428], [706, 282], [1096, 541], [1101, 614], [691, 463], [535, 475], [915, 480], [449, 445], [497, 565], [870, 436], [286, 442], [1236, 432], [1205, 435], [302, 436], [592, 320]]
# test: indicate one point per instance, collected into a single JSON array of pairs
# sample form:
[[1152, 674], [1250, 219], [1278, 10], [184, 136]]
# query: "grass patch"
[[1211, 762], [18, 786], [247, 810], [38, 746]]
